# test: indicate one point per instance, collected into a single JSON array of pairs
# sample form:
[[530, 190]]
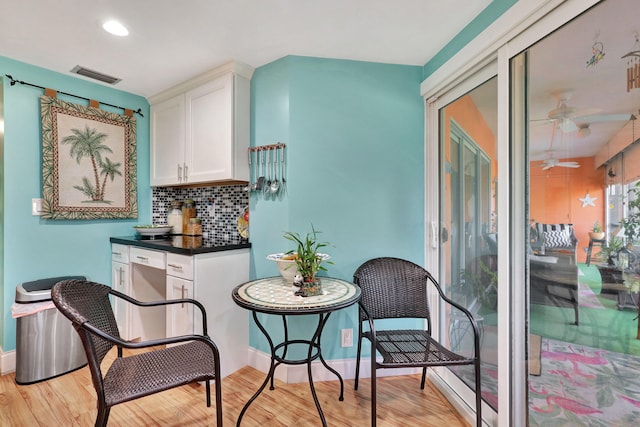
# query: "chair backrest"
[[82, 301], [550, 229], [392, 288]]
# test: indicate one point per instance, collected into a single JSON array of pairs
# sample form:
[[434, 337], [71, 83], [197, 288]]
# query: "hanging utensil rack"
[[267, 169]]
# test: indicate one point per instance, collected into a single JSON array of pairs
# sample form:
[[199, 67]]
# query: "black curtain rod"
[[14, 81]]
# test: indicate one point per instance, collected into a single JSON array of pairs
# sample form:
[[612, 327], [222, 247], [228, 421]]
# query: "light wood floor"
[[69, 400]]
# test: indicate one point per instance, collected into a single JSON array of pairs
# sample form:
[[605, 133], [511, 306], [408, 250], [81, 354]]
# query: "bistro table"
[[274, 295]]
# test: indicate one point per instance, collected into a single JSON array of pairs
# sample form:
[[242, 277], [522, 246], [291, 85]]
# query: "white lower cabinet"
[[208, 278], [121, 282], [179, 316], [216, 274]]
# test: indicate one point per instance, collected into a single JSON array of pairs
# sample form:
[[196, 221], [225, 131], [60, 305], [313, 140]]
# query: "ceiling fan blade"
[[568, 164], [595, 118], [584, 112]]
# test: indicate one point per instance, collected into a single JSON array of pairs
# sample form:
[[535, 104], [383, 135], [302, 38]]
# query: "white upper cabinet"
[[200, 129], [168, 141]]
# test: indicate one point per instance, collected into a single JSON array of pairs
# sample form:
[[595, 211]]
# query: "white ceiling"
[[171, 41]]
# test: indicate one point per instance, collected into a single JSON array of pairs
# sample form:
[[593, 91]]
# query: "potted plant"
[[596, 232], [631, 222], [609, 253], [308, 260]]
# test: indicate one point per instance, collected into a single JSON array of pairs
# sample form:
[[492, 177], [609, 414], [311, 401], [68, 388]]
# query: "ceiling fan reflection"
[[570, 119], [551, 163]]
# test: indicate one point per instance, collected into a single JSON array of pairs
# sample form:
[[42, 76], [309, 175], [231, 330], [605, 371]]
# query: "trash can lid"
[[39, 290]]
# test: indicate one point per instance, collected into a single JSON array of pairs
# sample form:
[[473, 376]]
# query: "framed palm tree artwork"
[[88, 162]]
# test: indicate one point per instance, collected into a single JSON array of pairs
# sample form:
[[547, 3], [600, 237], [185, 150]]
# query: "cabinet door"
[[209, 149], [179, 316], [168, 142], [121, 282]]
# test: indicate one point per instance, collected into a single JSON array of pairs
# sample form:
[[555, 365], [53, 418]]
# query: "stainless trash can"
[[46, 343]]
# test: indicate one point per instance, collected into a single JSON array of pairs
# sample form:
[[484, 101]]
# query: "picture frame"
[[88, 162]]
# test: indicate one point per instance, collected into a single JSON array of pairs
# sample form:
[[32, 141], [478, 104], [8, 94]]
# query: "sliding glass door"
[[468, 232], [579, 134], [560, 332]]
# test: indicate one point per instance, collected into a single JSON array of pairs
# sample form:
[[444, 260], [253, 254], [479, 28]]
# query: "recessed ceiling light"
[[115, 28]]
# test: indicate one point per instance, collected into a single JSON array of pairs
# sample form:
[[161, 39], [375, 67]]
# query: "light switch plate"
[[36, 207]]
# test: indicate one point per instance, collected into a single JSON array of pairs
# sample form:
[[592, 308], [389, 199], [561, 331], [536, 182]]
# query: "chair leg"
[[208, 391], [424, 378], [355, 383], [218, 386], [478, 395], [103, 415], [374, 414]]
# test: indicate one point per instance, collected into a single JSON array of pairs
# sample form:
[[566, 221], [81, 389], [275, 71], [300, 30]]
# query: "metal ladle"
[[267, 187], [282, 168], [260, 181], [275, 185]]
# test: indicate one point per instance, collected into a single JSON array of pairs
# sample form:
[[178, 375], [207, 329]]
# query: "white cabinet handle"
[[182, 296], [186, 172], [176, 266], [142, 258], [116, 253], [179, 173]]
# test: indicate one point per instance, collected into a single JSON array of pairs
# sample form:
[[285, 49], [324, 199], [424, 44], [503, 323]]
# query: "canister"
[[188, 212], [174, 219]]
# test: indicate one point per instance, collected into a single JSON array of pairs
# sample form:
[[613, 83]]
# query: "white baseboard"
[[7, 361], [292, 374]]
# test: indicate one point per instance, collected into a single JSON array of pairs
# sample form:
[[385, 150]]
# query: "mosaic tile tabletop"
[[274, 294]]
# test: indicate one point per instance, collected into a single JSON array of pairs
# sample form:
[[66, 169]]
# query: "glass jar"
[[194, 228], [174, 219], [188, 212]]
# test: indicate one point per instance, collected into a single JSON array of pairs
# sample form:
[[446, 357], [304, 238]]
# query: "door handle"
[[434, 234]]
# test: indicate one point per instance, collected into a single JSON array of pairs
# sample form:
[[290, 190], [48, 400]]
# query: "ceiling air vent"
[[95, 75]]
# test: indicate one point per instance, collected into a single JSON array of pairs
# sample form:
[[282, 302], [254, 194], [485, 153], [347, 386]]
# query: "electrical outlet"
[[211, 208], [347, 338]]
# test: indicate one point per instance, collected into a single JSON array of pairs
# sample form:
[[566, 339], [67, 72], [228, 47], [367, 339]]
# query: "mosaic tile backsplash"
[[217, 207]]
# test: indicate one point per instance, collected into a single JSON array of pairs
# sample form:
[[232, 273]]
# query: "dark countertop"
[[184, 245]]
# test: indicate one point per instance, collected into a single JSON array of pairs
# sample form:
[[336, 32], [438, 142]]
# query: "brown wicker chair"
[[393, 288], [87, 305]]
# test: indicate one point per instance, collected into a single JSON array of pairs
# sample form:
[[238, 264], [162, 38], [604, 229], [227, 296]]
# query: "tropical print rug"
[[578, 386], [584, 386]]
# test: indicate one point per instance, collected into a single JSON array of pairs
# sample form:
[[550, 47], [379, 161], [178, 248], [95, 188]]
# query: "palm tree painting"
[[88, 162], [89, 143]]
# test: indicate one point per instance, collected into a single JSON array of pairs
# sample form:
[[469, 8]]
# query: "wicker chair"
[[87, 305], [393, 288]]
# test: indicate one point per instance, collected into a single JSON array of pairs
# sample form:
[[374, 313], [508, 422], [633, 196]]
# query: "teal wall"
[[35, 248], [354, 135]]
